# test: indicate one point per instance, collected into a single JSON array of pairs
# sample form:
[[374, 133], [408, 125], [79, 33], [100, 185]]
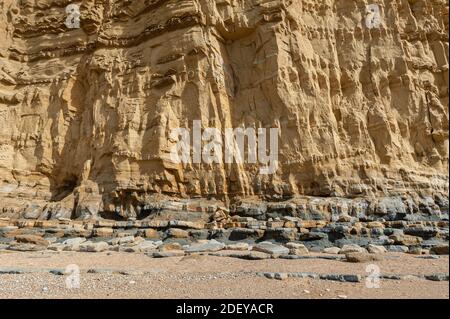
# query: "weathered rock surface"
[[358, 257], [85, 114], [271, 249]]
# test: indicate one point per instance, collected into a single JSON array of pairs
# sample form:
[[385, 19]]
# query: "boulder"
[[358, 257], [297, 249], [375, 249], [352, 248]]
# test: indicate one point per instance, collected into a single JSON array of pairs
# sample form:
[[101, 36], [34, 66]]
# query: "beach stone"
[[269, 248], [341, 278], [397, 249], [144, 246], [126, 240], [332, 250], [297, 249], [415, 250], [375, 249], [93, 247], [73, 244], [439, 250], [359, 257], [210, 246], [352, 248]]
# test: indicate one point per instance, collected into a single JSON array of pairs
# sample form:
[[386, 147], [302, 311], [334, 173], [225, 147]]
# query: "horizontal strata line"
[[150, 5], [103, 42]]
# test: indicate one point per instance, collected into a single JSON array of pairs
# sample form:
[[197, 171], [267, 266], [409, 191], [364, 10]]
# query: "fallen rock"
[[126, 240], [439, 250], [375, 249], [144, 247], [269, 248], [73, 244], [352, 248], [358, 257], [415, 250], [93, 247], [210, 246], [297, 249], [397, 249]]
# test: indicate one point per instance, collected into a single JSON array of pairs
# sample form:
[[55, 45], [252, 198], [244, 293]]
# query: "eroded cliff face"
[[85, 114]]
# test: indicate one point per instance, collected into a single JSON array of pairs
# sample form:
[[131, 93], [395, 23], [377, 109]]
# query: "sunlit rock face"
[[86, 113]]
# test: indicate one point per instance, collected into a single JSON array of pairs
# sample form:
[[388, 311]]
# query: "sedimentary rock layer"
[[86, 114]]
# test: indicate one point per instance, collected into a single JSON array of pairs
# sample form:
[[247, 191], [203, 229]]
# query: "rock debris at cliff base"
[[85, 114]]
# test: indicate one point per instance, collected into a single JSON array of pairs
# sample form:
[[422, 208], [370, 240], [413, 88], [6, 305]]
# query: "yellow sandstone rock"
[[86, 113]]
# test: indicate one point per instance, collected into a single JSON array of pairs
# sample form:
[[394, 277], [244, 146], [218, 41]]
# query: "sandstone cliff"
[[85, 114]]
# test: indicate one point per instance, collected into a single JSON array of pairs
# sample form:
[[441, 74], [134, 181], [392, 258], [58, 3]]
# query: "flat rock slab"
[[271, 249], [94, 247], [255, 255], [210, 246]]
